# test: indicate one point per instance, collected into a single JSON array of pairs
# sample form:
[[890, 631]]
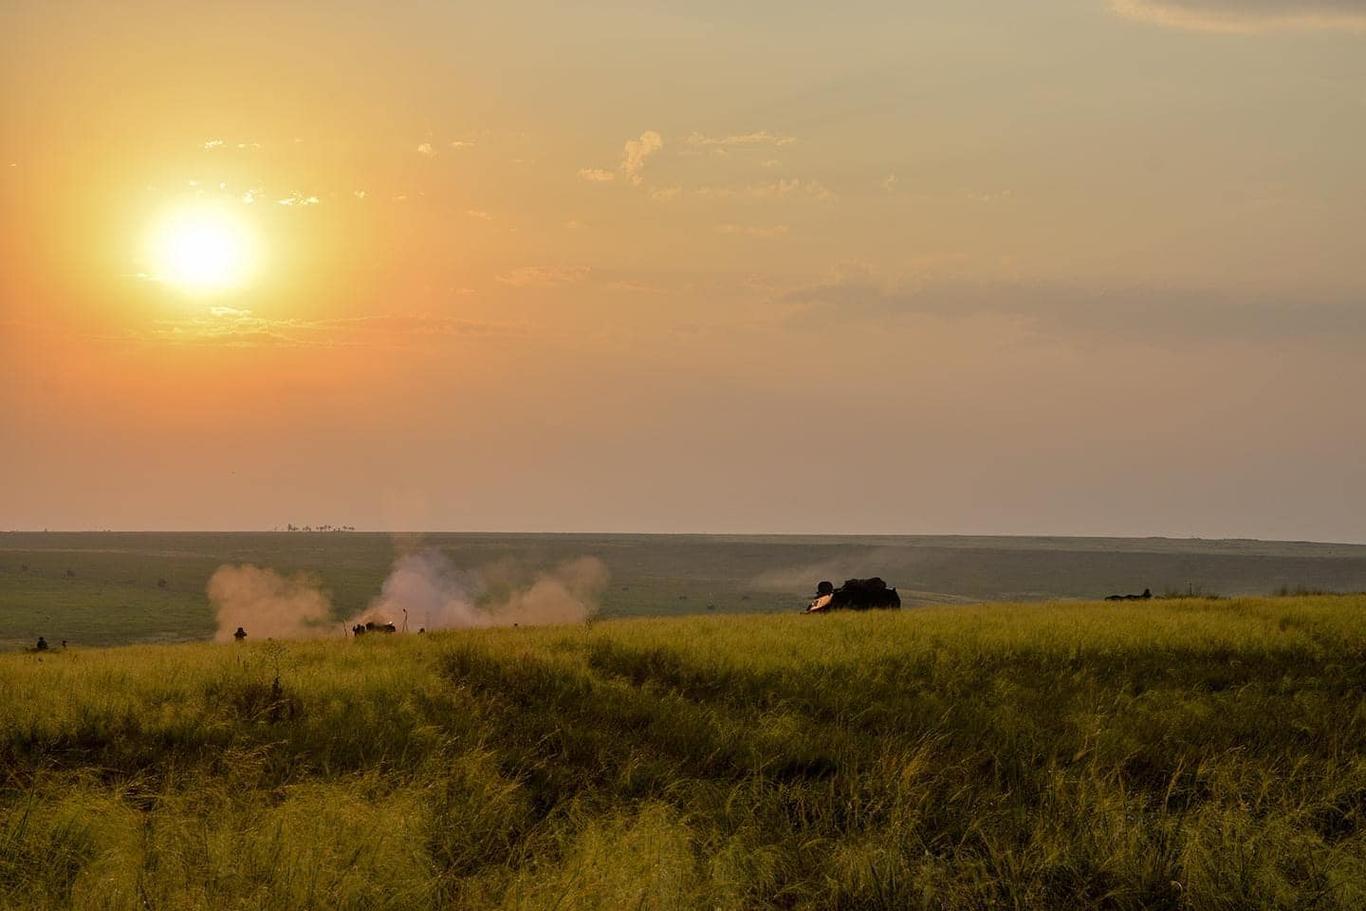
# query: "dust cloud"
[[267, 605], [423, 590], [427, 591]]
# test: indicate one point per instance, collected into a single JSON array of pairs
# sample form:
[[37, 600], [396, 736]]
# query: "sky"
[[1091, 267]]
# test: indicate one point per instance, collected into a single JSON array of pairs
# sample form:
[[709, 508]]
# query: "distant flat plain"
[[109, 588]]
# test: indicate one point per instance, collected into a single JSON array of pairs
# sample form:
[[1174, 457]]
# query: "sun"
[[203, 249]]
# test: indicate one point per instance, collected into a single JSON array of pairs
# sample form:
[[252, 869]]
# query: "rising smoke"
[[423, 590]]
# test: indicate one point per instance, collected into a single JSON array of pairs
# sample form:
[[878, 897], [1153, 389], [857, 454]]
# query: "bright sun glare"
[[203, 249]]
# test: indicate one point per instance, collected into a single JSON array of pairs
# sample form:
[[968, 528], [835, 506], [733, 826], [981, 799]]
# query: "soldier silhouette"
[[240, 634]]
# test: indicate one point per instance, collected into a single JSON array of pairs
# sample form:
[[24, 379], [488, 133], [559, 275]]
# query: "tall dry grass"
[[1182, 754]]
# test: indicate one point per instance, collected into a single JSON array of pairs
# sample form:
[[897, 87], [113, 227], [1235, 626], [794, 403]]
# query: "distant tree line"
[[313, 528]]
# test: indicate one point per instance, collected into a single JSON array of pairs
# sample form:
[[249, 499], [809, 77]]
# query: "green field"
[[1174, 754], [115, 588]]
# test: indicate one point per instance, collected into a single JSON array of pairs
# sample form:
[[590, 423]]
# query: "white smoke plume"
[[268, 605], [422, 591], [435, 595]]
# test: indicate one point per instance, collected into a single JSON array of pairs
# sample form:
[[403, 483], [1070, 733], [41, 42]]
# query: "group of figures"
[[360, 629], [854, 594]]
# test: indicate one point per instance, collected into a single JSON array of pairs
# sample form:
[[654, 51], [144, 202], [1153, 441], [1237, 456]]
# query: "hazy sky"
[[1066, 266]]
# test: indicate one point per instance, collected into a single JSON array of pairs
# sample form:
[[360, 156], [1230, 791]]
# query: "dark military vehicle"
[[371, 626], [854, 594], [1147, 595]]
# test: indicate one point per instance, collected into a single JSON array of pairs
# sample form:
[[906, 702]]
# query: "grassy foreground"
[[1189, 754]]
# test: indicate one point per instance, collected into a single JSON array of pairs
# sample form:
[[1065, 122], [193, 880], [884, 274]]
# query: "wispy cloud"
[[1243, 16], [237, 327], [212, 145], [753, 230], [757, 139], [1125, 314], [781, 188], [597, 175], [544, 276], [426, 148], [634, 287], [297, 200]]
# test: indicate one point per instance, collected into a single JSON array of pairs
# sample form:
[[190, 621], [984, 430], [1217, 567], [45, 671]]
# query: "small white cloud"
[[213, 144], [298, 201], [359, 194], [889, 183], [462, 143], [637, 152], [634, 155], [426, 148], [665, 194], [479, 214]]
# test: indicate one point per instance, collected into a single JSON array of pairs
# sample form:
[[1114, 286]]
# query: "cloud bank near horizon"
[[1244, 16]]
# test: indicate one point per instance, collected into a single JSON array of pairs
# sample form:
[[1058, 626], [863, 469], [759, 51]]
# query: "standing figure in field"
[[240, 634], [41, 646]]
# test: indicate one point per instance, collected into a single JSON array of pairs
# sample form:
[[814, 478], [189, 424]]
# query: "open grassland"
[[113, 588], [1182, 754]]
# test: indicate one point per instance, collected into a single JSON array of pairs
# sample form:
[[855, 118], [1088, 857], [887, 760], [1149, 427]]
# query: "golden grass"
[[1182, 754]]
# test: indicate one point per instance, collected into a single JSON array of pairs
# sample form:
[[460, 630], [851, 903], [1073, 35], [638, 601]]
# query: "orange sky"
[[1068, 267]]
